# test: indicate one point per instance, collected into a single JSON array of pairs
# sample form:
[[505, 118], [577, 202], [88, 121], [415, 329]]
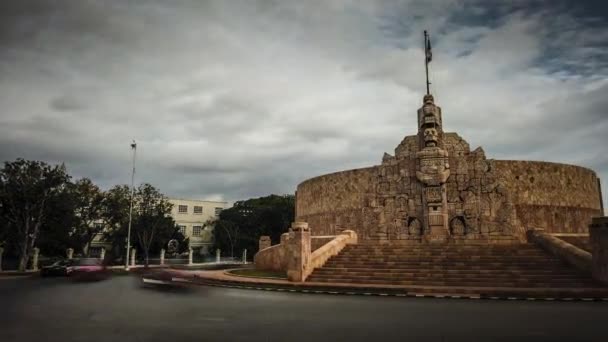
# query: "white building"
[[193, 217]]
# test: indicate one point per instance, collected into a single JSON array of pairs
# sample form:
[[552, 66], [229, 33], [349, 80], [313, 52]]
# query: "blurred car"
[[165, 277], [59, 268], [89, 269]]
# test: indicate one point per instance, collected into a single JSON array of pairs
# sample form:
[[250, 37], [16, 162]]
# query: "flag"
[[427, 50]]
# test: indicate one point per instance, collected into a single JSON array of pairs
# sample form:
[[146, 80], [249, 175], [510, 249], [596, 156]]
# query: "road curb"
[[379, 293]]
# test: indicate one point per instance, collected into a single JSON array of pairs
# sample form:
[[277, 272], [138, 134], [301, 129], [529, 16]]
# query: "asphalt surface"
[[119, 309]]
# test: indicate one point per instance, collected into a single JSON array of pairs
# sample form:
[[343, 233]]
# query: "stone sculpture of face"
[[430, 137]]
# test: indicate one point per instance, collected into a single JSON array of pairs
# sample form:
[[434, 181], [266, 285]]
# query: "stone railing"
[[320, 256], [295, 253], [272, 258], [317, 242], [569, 253]]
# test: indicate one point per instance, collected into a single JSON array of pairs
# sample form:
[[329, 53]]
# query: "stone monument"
[[435, 189]]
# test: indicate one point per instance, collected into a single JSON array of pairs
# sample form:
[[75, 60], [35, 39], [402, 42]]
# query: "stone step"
[[405, 249], [510, 273], [467, 283], [413, 271], [444, 247], [454, 278], [521, 265], [447, 253], [449, 277], [444, 265], [408, 250], [441, 258]]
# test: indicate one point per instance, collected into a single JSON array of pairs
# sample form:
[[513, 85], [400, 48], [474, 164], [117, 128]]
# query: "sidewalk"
[[223, 278], [15, 273]]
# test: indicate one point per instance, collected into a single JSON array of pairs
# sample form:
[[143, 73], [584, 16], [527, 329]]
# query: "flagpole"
[[426, 62]]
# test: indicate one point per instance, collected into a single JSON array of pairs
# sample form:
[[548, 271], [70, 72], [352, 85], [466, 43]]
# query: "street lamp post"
[[134, 148]]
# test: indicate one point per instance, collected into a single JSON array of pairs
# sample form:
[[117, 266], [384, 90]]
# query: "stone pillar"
[[190, 256], [162, 256], [35, 259], [264, 242], [1, 252], [244, 256], [598, 236], [102, 253], [217, 255], [70, 253], [298, 252], [133, 250]]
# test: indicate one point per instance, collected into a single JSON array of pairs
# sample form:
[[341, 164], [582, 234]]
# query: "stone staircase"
[[515, 266]]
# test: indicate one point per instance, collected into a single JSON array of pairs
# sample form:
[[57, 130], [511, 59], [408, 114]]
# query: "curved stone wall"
[[334, 202], [557, 197]]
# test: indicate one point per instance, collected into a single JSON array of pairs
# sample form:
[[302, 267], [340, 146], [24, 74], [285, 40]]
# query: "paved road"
[[118, 309]]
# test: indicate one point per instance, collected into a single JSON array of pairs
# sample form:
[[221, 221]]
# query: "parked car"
[[89, 269], [58, 268]]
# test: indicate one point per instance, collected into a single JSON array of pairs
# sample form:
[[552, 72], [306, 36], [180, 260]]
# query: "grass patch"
[[248, 272]]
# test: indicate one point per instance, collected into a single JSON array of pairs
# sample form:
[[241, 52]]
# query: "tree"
[[151, 225], [241, 226], [88, 207], [26, 190], [153, 221], [57, 234], [115, 214]]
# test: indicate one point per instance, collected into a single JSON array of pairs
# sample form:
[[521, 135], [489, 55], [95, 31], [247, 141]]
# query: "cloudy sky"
[[235, 99]]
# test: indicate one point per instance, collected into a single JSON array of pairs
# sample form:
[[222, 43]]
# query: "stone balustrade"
[[320, 256], [569, 253], [272, 258], [295, 254]]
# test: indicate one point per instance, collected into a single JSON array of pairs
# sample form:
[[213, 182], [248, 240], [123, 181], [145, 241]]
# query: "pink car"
[[89, 269]]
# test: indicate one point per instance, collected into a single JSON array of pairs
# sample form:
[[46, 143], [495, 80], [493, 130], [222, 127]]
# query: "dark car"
[[89, 269], [59, 268]]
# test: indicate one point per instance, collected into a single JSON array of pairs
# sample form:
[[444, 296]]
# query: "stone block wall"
[[558, 198], [336, 201]]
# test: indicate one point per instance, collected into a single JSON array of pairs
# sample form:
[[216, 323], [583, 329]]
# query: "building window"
[[182, 229], [198, 209], [196, 230], [218, 211], [182, 209]]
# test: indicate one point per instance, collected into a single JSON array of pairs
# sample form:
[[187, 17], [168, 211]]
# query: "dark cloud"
[[66, 104], [229, 100]]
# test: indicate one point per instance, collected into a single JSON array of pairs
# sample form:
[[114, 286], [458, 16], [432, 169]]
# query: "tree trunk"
[[24, 257], [147, 262]]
